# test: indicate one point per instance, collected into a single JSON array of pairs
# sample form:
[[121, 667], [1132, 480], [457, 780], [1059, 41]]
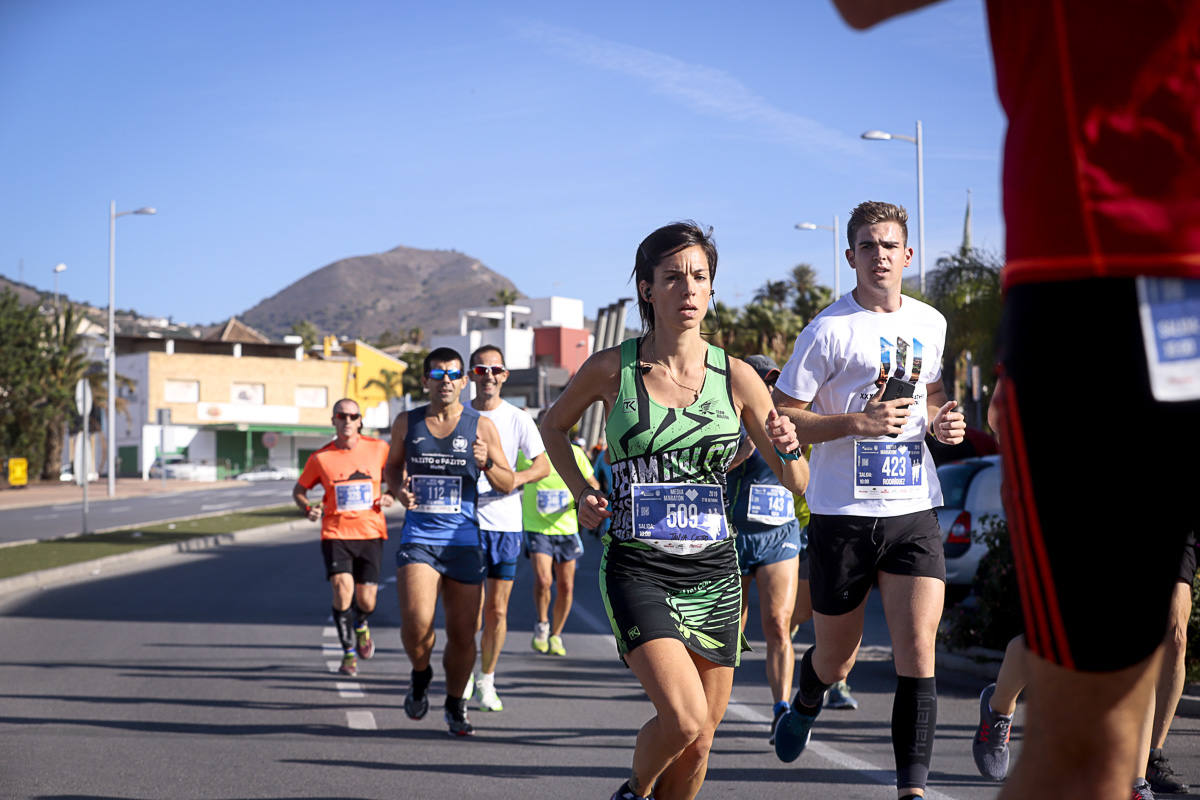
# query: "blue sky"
[[544, 139]]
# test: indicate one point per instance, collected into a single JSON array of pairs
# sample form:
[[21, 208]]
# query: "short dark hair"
[[487, 348], [442, 354], [667, 241], [873, 212]]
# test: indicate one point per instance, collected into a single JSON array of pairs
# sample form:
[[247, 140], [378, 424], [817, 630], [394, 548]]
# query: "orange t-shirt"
[[352, 480]]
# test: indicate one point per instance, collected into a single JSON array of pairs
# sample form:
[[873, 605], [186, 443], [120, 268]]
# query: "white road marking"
[[360, 720], [45, 516], [216, 506], [875, 772], [329, 632], [350, 689], [331, 649], [117, 508]]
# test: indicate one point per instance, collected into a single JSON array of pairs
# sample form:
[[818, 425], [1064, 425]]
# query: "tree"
[[392, 383], [808, 296], [63, 363], [965, 287], [23, 414], [415, 360], [505, 297], [308, 333]]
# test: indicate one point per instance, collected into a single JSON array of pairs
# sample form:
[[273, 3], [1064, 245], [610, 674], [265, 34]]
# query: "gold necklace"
[[671, 374]]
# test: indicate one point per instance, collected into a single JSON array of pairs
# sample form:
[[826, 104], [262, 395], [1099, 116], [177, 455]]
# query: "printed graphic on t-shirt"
[[900, 350]]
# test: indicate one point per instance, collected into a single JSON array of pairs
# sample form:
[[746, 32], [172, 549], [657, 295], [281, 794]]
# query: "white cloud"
[[703, 89]]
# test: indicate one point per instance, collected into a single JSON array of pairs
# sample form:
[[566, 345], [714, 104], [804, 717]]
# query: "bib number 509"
[[682, 515]]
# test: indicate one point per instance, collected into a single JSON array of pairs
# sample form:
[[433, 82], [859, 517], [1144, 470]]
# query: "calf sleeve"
[[343, 621], [914, 718], [810, 693]]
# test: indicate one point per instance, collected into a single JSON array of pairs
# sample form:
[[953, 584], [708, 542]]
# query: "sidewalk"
[[45, 493]]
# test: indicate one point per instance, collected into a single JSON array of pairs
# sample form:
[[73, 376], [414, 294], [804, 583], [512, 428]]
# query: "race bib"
[[354, 495], [437, 494], [770, 504], [888, 470], [1170, 312], [552, 501], [679, 518]]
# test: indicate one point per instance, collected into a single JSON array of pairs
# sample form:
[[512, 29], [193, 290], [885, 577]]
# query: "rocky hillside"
[[396, 291]]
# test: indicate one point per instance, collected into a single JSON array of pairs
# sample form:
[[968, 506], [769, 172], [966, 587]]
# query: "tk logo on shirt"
[[630, 405]]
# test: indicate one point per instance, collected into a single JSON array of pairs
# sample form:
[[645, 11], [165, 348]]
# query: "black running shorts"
[[1187, 568], [695, 598], [845, 553], [1099, 477], [360, 557]]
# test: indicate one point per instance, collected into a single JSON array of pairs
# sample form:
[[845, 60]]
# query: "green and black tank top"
[[653, 444]]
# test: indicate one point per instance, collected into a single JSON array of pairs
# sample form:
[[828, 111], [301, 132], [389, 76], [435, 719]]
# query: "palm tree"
[[64, 363], [808, 296], [505, 297], [392, 383]]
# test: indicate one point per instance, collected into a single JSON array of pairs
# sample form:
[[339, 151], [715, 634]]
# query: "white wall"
[[564, 312]]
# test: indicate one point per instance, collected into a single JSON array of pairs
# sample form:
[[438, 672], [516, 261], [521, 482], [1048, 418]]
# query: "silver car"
[[971, 493]]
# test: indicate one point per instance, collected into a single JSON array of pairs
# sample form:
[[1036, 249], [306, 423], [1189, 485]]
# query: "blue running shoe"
[[792, 734], [990, 746]]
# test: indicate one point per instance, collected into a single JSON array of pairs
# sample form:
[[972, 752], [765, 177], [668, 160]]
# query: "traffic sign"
[[83, 397]]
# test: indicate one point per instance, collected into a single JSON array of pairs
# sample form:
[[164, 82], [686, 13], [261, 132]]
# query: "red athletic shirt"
[[351, 479], [1102, 155]]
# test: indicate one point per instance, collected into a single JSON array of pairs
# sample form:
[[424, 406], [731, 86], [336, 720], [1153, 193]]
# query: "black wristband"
[[488, 464]]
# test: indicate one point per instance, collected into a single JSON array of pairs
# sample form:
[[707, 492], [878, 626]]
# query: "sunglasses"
[[489, 369], [438, 374], [342, 415]]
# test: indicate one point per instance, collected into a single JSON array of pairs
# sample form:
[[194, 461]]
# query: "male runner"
[[553, 545], [499, 511], [352, 528], [864, 385], [1101, 164], [438, 453]]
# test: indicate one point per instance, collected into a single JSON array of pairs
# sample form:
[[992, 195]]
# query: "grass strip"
[[20, 559]]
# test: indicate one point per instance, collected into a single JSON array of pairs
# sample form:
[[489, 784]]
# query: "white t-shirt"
[[518, 431], [836, 364]]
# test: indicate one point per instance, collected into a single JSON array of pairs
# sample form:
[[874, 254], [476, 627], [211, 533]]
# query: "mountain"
[[396, 291]]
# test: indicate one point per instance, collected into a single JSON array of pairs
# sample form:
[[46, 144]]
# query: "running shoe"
[[1142, 790], [792, 733], [488, 699], [781, 708], [470, 690], [363, 643], [349, 665], [556, 646], [416, 707], [457, 723], [625, 793], [839, 697], [541, 634], [990, 747], [1161, 777]]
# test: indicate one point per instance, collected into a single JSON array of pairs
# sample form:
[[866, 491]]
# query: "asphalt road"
[[209, 675], [65, 519]]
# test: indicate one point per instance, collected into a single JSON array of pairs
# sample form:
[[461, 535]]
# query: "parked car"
[[971, 497], [178, 468], [266, 472]]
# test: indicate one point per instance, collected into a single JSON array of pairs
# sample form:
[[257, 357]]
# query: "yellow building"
[[237, 400]]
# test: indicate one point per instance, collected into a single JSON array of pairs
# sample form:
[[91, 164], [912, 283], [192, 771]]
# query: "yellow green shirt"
[[547, 506]]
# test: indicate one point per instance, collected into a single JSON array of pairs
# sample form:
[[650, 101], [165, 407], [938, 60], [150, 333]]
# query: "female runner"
[[669, 573]]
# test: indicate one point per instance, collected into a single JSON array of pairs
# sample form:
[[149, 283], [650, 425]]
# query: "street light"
[[837, 260], [60, 267], [883, 136], [112, 350]]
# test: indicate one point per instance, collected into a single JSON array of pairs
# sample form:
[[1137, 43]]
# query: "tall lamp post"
[[837, 261], [882, 136], [112, 350], [57, 269]]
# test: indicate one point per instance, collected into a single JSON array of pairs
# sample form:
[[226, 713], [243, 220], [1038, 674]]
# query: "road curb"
[[46, 578]]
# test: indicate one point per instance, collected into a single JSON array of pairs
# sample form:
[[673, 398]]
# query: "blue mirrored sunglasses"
[[438, 374]]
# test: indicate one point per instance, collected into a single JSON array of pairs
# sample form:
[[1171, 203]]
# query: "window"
[[312, 397], [181, 391], [250, 393]]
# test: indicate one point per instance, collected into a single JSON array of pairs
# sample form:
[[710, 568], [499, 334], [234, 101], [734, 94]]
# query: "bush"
[[995, 617]]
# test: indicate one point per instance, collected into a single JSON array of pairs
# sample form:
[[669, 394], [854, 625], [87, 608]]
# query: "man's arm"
[[946, 424], [879, 418], [537, 469], [300, 498], [500, 475], [862, 14], [395, 473]]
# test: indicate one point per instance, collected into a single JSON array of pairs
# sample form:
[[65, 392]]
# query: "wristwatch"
[[488, 464], [792, 455]]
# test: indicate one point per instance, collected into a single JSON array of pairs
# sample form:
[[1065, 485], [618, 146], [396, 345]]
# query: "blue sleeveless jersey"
[[755, 472], [443, 475]]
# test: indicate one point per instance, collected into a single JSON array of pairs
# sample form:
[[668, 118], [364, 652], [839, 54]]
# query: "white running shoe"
[[488, 699], [541, 637], [470, 690]]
